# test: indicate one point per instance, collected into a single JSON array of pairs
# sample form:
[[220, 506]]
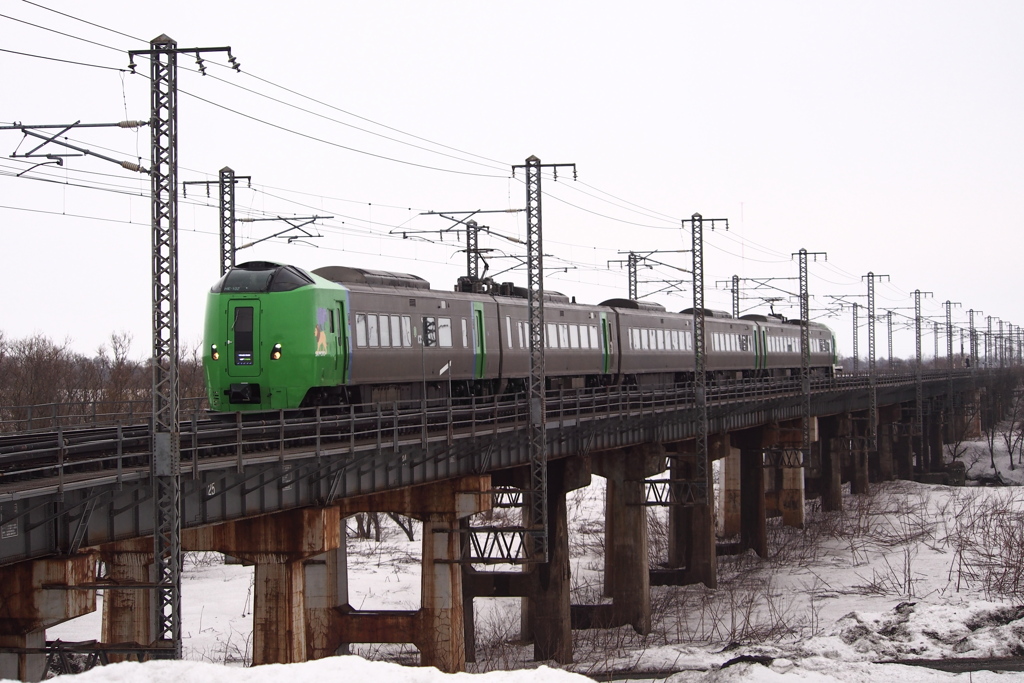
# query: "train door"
[[479, 342], [244, 338], [606, 337], [341, 365]]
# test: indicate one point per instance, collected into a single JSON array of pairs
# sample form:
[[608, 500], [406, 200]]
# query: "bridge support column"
[[627, 569], [887, 416], [27, 609], [691, 528], [547, 613], [437, 628], [935, 448], [753, 512], [903, 447], [859, 476], [731, 493], [126, 613], [277, 544], [834, 434], [326, 590]]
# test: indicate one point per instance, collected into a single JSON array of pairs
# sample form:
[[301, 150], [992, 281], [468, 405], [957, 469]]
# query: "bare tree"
[[1011, 429]]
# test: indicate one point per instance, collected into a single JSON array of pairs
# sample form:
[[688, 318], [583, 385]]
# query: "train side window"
[[744, 343], [574, 336], [465, 333], [634, 338], [429, 331], [551, 336], [563, 336], [508, 330], [406, 331], [385, 331], [522, 334], [396, 331], [360, 329], [372, 339], [444, 332], [332, 320]]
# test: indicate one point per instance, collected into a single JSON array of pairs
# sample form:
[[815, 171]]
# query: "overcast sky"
[[887, 134]]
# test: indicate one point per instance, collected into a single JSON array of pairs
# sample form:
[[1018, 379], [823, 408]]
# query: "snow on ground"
[[909, 571]]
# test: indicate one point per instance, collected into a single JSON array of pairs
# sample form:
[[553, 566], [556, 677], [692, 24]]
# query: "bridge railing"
[[97, 413], [92, 443]]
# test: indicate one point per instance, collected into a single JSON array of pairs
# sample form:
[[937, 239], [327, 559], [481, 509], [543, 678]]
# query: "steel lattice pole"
[[856, 345], [700, 357], [166, 439], [633, 294], [873, 406], [735, 296], [805, 354], [919, 388], [888, 322], [538, 407], [227, 219], [472, 251], [972, 341]]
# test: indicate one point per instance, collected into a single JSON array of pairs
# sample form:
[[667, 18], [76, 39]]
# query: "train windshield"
[[262, 277]]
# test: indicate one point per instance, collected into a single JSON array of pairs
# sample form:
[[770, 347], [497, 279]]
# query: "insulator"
[[132, 124], [132, 166]]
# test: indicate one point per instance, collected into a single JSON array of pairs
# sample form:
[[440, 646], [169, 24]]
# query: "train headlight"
[[275, 353], [214, 353]]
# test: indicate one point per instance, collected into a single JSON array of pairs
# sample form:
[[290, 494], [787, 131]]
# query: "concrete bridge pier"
[[437, 628], [753, 510], [903, 449], [834, 445], [935, 446], [277, 545], [28, 608], [691, 528], [126, 613], [730, 506], [887, 417], [626, 564], [326, 580], [859, 456]]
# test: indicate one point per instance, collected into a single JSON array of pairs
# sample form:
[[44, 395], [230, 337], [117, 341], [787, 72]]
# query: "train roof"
[[709, 313], [363, 276], [758, 317], [262, 276], [630, 303]]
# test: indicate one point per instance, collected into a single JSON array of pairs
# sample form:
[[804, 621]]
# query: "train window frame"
[[508, 330], [522, 333], [550, 335], [429, 331], [372, 338], [396, 331], [574, 336], [563, 335], [360, 330], [465, 333], [406, 331], [444, 332], [384, 330]]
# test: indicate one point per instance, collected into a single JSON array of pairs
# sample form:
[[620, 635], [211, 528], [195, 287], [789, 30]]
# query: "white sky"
[[886, 134]]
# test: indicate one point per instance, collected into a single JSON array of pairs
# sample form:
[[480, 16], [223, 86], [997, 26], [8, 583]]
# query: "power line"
[[67, 35], [65, 61], [105, 28], [335, 144]]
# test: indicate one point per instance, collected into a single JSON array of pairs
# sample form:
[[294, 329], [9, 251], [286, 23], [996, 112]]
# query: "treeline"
[[36, 370]]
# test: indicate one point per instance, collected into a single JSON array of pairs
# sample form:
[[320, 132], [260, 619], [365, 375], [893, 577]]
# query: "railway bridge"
[[77, 503]]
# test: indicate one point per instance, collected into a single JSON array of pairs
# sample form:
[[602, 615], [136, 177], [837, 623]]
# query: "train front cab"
[[275, 337]]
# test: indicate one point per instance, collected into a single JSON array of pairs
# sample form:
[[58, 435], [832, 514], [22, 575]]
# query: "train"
[[279, 337]]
